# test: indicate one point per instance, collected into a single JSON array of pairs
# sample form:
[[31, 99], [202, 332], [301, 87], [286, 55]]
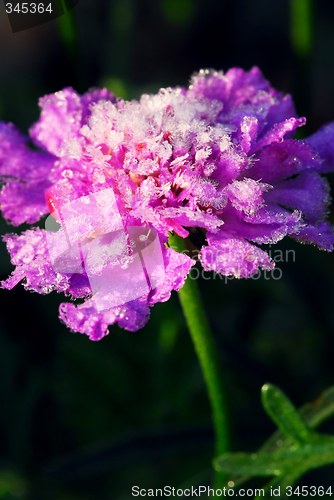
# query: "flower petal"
[[86, 319], [63, 115], [177, 267], [281, 160], [320, 234], [233, 257], [24, 201], [277, 132], [307, 192], [29, 252], [323, 142]]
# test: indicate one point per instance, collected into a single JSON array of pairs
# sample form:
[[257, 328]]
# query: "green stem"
[[301, 27], [67, 32], [302, 15], [207, 354]]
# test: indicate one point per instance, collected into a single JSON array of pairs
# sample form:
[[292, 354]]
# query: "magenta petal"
[[29, 253], [191, 218], [320, 234], [277, 132], [177, 267], [134, 315], [79, 286], [249, 128], [307, 192], [235, 88], [283, 110], [272, 213], [323, 143], [24, 201], [86, 319], [233, 257], [229, 167], [90, 98], [63, 114], [17, 275], [17, 160], [60, 120], [11, 139], [270, 232], [280, 160], [246, 195], [26, 173]]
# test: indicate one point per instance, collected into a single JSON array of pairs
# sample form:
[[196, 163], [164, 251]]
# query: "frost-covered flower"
[[216, 159]]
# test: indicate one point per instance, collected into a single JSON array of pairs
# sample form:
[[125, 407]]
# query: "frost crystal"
[[217, 159]]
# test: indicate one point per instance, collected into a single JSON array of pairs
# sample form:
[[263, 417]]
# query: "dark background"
[[87, 421]]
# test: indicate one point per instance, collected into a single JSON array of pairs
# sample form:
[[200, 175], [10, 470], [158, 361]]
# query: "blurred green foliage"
[[178, 12]]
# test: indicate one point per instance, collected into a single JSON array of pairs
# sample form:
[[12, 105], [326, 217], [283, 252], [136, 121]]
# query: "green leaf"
[[318, 411], [292, 450], [312, 413], [284, 414], [262, 464], [296, 458]]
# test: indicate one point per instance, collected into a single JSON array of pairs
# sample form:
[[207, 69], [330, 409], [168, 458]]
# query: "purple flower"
[[216, 159]]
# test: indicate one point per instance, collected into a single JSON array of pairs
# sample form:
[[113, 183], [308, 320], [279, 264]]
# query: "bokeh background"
[[86, 421]]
